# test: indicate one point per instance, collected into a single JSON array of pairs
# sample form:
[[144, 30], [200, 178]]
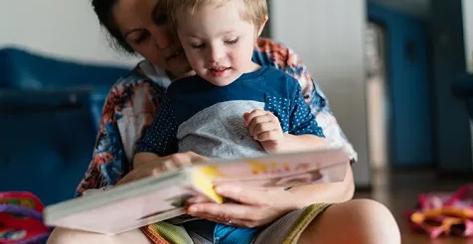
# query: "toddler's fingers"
[[246, 120], [272, 135], [266, 126], [254, 113], [262, 122]]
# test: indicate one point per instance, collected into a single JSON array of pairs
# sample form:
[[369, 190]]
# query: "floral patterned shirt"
[[133, 101]]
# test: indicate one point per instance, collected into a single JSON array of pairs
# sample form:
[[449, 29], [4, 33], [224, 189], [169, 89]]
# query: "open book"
[[132, 205]]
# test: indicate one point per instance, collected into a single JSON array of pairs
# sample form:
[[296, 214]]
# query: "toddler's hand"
[[264, 127]]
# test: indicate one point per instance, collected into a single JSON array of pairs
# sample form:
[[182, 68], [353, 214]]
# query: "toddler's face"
[[218, 43]]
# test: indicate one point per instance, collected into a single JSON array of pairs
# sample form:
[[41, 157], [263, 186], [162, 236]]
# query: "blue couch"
[[49, 111]]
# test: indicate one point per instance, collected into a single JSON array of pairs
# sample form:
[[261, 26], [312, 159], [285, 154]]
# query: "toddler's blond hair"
[[255, 11]]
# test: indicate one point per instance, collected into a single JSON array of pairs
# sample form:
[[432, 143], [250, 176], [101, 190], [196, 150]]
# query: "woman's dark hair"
[[103, 10]]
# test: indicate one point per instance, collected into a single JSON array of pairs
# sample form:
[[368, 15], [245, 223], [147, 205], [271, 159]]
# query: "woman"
[[140, 26]]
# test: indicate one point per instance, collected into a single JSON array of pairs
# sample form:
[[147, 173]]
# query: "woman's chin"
[[179, 71], [184, 74]]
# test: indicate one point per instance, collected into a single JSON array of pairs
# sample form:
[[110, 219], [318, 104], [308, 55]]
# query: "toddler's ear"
[[262, 25]]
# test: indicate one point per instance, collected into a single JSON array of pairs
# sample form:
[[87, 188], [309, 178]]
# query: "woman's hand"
[[264, 127], [252, 206], [148, 164], [257, 206]]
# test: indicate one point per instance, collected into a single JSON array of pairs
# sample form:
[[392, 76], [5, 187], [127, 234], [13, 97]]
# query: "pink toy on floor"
[[445, 213]]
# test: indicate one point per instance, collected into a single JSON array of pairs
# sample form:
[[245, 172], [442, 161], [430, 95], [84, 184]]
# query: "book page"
[[284, 170]]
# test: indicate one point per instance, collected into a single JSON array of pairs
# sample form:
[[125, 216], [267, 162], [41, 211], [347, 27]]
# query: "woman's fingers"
[[127, 178], [247, 195], [149, 164], [198, 198], [253, 207], [229, 221], [132, 176], [233, 214], [196, 158], [268, 197], [145, 171], [185, 158], [222, 212]]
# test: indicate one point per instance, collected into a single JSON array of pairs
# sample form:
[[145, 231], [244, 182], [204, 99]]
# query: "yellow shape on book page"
[[202, 180]]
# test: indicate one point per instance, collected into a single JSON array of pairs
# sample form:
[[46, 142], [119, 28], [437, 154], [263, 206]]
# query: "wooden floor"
[[399, 190]]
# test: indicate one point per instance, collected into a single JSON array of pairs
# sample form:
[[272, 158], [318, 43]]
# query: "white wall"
[[468, 32], [329, 36], [65, 28]]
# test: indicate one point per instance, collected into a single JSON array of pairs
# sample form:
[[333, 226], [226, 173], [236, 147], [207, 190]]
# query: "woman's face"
[[150, 36]]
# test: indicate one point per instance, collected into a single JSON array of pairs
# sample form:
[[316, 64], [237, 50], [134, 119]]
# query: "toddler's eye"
[[232, 41]]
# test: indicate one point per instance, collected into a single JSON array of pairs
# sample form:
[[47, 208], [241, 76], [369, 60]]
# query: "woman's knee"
[[361, 221], [60, 235], [373, 221], [67, 236]]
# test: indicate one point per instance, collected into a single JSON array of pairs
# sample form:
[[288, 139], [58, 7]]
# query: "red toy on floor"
[[21, 218]]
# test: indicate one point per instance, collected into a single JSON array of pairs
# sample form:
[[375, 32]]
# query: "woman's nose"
[[162, 37]]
